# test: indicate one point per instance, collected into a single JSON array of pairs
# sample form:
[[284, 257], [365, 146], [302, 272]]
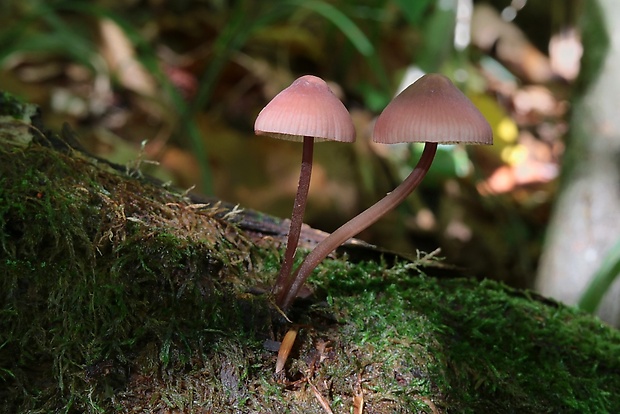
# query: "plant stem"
[[285, 297], [297, 216]]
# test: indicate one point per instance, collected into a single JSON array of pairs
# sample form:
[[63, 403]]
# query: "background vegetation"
[[179, 84]]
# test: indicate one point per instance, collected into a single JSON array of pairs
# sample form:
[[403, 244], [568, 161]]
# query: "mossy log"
[[121, 294]]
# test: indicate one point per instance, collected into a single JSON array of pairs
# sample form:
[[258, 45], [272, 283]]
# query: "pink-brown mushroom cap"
[[432, 109], [307, 108]]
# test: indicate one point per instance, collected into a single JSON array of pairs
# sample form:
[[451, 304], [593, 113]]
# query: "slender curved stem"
[[285, 297], [297, 216]]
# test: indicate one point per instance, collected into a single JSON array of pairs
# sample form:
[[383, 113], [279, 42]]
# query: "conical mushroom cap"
[[432, 109], [306, 108]]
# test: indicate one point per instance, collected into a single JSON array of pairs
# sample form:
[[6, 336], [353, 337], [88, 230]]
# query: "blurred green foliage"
[[362, 45], [237, 54], [602, 280]]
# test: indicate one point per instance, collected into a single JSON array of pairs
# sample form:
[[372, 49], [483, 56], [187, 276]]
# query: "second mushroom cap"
[[432, 109]]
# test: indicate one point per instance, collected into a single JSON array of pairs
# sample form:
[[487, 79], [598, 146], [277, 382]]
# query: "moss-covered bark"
[[121, 295]]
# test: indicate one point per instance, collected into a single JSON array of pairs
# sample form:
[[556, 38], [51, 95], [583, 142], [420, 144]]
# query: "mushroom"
[[431, 110], [306, 111]]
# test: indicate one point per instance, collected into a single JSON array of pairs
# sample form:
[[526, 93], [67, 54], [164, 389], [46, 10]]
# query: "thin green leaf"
[[56, 37], [78, 51], [342, 22], [602, 280]]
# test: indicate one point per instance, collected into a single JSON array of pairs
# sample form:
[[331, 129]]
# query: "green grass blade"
[[342, 22], [602, 280]]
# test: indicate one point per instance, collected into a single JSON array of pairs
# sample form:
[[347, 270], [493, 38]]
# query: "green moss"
[[16, 119], [11, 106], [487, 347], [118, 295], [95, 268]]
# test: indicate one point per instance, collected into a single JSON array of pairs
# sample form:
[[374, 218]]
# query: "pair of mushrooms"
[[431, 110]]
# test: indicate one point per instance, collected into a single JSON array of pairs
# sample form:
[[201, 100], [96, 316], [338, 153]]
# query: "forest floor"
[[123, 294]]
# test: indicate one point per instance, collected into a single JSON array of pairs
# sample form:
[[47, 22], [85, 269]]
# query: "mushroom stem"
[[297, 216], [285, 296]]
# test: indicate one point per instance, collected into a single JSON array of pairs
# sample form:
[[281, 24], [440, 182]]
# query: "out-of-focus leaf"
[[602, 280], [120, 55], [62, 44], [58, 37], [342, 22], [438, 37], [374, 99], [414, 10], [505, 131], [504, 128], [450, 161]]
